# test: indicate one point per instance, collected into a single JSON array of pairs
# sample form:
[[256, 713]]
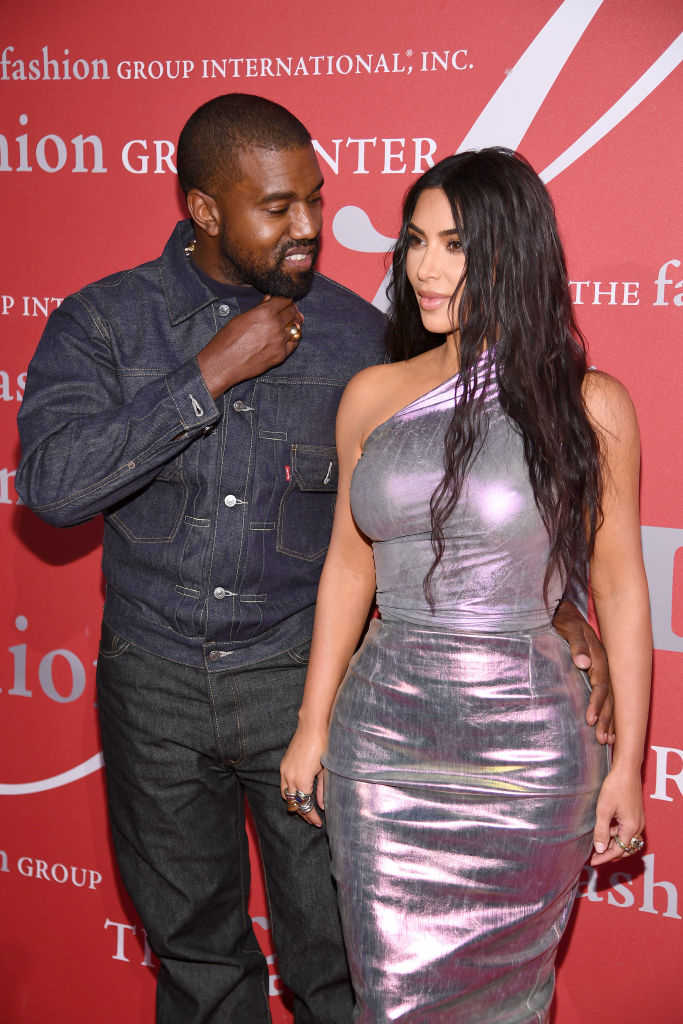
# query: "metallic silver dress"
[[461, 775]]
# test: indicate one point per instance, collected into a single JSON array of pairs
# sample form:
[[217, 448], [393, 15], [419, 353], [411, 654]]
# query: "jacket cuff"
[[193, 400]]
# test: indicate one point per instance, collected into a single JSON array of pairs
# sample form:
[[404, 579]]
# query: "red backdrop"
[[93, 99]]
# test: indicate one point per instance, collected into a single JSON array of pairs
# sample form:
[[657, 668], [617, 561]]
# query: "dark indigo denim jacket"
[[217, 514]]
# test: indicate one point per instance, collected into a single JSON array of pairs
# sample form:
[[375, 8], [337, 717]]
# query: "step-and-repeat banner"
[[93, 98]]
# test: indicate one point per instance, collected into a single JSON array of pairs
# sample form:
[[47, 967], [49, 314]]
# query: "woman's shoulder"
[[610, 409], [379, 375], [372, 387], [368, 395], [606, 399]]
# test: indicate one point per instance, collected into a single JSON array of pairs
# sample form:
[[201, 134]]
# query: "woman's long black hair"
[[514, 301]]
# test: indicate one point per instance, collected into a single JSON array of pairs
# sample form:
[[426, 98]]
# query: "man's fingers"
[[569, 622], [589, 655], [604, 729], [580, 654]]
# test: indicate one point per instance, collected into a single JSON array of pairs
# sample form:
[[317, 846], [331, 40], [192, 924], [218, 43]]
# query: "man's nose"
[[305, 222]]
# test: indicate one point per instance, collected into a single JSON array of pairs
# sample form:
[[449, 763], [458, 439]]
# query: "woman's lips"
[[431, 300]]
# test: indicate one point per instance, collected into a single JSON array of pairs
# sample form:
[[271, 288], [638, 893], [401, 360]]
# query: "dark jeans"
[[182, 749]]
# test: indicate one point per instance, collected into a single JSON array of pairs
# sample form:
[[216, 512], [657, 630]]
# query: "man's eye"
[[277, 211]]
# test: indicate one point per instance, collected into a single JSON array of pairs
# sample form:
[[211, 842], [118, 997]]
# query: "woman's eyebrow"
[[442, 234]]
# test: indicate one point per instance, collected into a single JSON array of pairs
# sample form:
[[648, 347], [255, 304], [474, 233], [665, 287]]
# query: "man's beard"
[[267, 274]]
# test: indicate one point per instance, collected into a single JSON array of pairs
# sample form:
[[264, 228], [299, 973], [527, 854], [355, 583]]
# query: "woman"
[[484, 469]]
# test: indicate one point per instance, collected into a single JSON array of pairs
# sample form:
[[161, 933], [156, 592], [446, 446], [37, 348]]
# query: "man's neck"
[[246, 295]]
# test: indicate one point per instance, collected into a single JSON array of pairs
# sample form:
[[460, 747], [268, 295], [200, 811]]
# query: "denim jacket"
[[217, 513]]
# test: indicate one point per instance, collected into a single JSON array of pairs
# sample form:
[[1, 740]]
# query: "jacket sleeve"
[[87, 445]]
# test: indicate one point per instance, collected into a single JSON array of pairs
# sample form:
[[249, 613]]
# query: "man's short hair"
[[213, 138]]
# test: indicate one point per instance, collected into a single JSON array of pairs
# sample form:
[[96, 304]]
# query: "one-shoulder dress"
[[461, 776]]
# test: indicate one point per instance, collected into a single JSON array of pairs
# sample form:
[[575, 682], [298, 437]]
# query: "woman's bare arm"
[[620, 594]]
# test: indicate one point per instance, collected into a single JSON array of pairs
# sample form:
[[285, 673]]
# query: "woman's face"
[[435, 261]]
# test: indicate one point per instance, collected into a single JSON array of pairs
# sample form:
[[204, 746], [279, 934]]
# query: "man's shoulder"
[[132, 283], [130, 277], [338, 300]]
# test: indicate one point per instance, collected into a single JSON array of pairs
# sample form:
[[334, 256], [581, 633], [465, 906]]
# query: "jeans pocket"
[[301, 652], [111, 644]]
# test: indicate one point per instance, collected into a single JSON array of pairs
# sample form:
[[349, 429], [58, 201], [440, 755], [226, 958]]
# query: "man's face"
[[270, 222]]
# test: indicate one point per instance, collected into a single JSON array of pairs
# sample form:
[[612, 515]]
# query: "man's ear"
[[204, 212]]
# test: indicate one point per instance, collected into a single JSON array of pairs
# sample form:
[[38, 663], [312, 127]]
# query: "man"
[[192, 400]]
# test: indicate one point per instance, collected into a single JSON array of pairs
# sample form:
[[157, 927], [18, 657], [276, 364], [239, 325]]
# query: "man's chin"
[[291, 284]]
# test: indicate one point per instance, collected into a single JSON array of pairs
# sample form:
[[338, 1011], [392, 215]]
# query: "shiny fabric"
[[461, 775], [491, 576]]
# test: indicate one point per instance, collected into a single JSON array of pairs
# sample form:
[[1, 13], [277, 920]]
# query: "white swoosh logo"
[[93, 764], [509, 113]]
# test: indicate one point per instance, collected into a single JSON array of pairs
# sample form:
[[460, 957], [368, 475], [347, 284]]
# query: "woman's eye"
[[414, 241], [455, 245]]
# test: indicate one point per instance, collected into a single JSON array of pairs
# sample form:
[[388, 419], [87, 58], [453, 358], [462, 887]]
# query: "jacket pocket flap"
[[314, 467]]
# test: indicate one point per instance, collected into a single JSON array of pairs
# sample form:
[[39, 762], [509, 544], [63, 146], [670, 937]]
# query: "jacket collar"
[[184, 293]]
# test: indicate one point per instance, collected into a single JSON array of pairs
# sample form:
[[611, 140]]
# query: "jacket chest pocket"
[[307, 506]]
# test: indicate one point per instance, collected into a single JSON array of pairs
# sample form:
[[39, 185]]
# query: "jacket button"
[[238, 406], [230, 500], [219, 592], [223, 309], [214, 656]]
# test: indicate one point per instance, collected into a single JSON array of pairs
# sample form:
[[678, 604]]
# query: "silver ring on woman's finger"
[[294, 331], [304, 801]]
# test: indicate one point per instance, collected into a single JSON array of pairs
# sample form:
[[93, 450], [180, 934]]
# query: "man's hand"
[[589, 654], [249, 344]]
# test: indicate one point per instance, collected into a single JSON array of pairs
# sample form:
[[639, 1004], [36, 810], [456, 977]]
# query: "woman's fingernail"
[[600, 847]]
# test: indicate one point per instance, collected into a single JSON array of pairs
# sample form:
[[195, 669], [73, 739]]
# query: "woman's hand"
[[301, 767], [619, 813]]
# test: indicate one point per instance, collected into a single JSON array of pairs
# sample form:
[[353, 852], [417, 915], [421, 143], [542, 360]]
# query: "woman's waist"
[[463, 621]]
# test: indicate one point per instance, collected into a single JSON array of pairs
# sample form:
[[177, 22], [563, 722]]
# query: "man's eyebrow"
[[442, 234], [278, 197]]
